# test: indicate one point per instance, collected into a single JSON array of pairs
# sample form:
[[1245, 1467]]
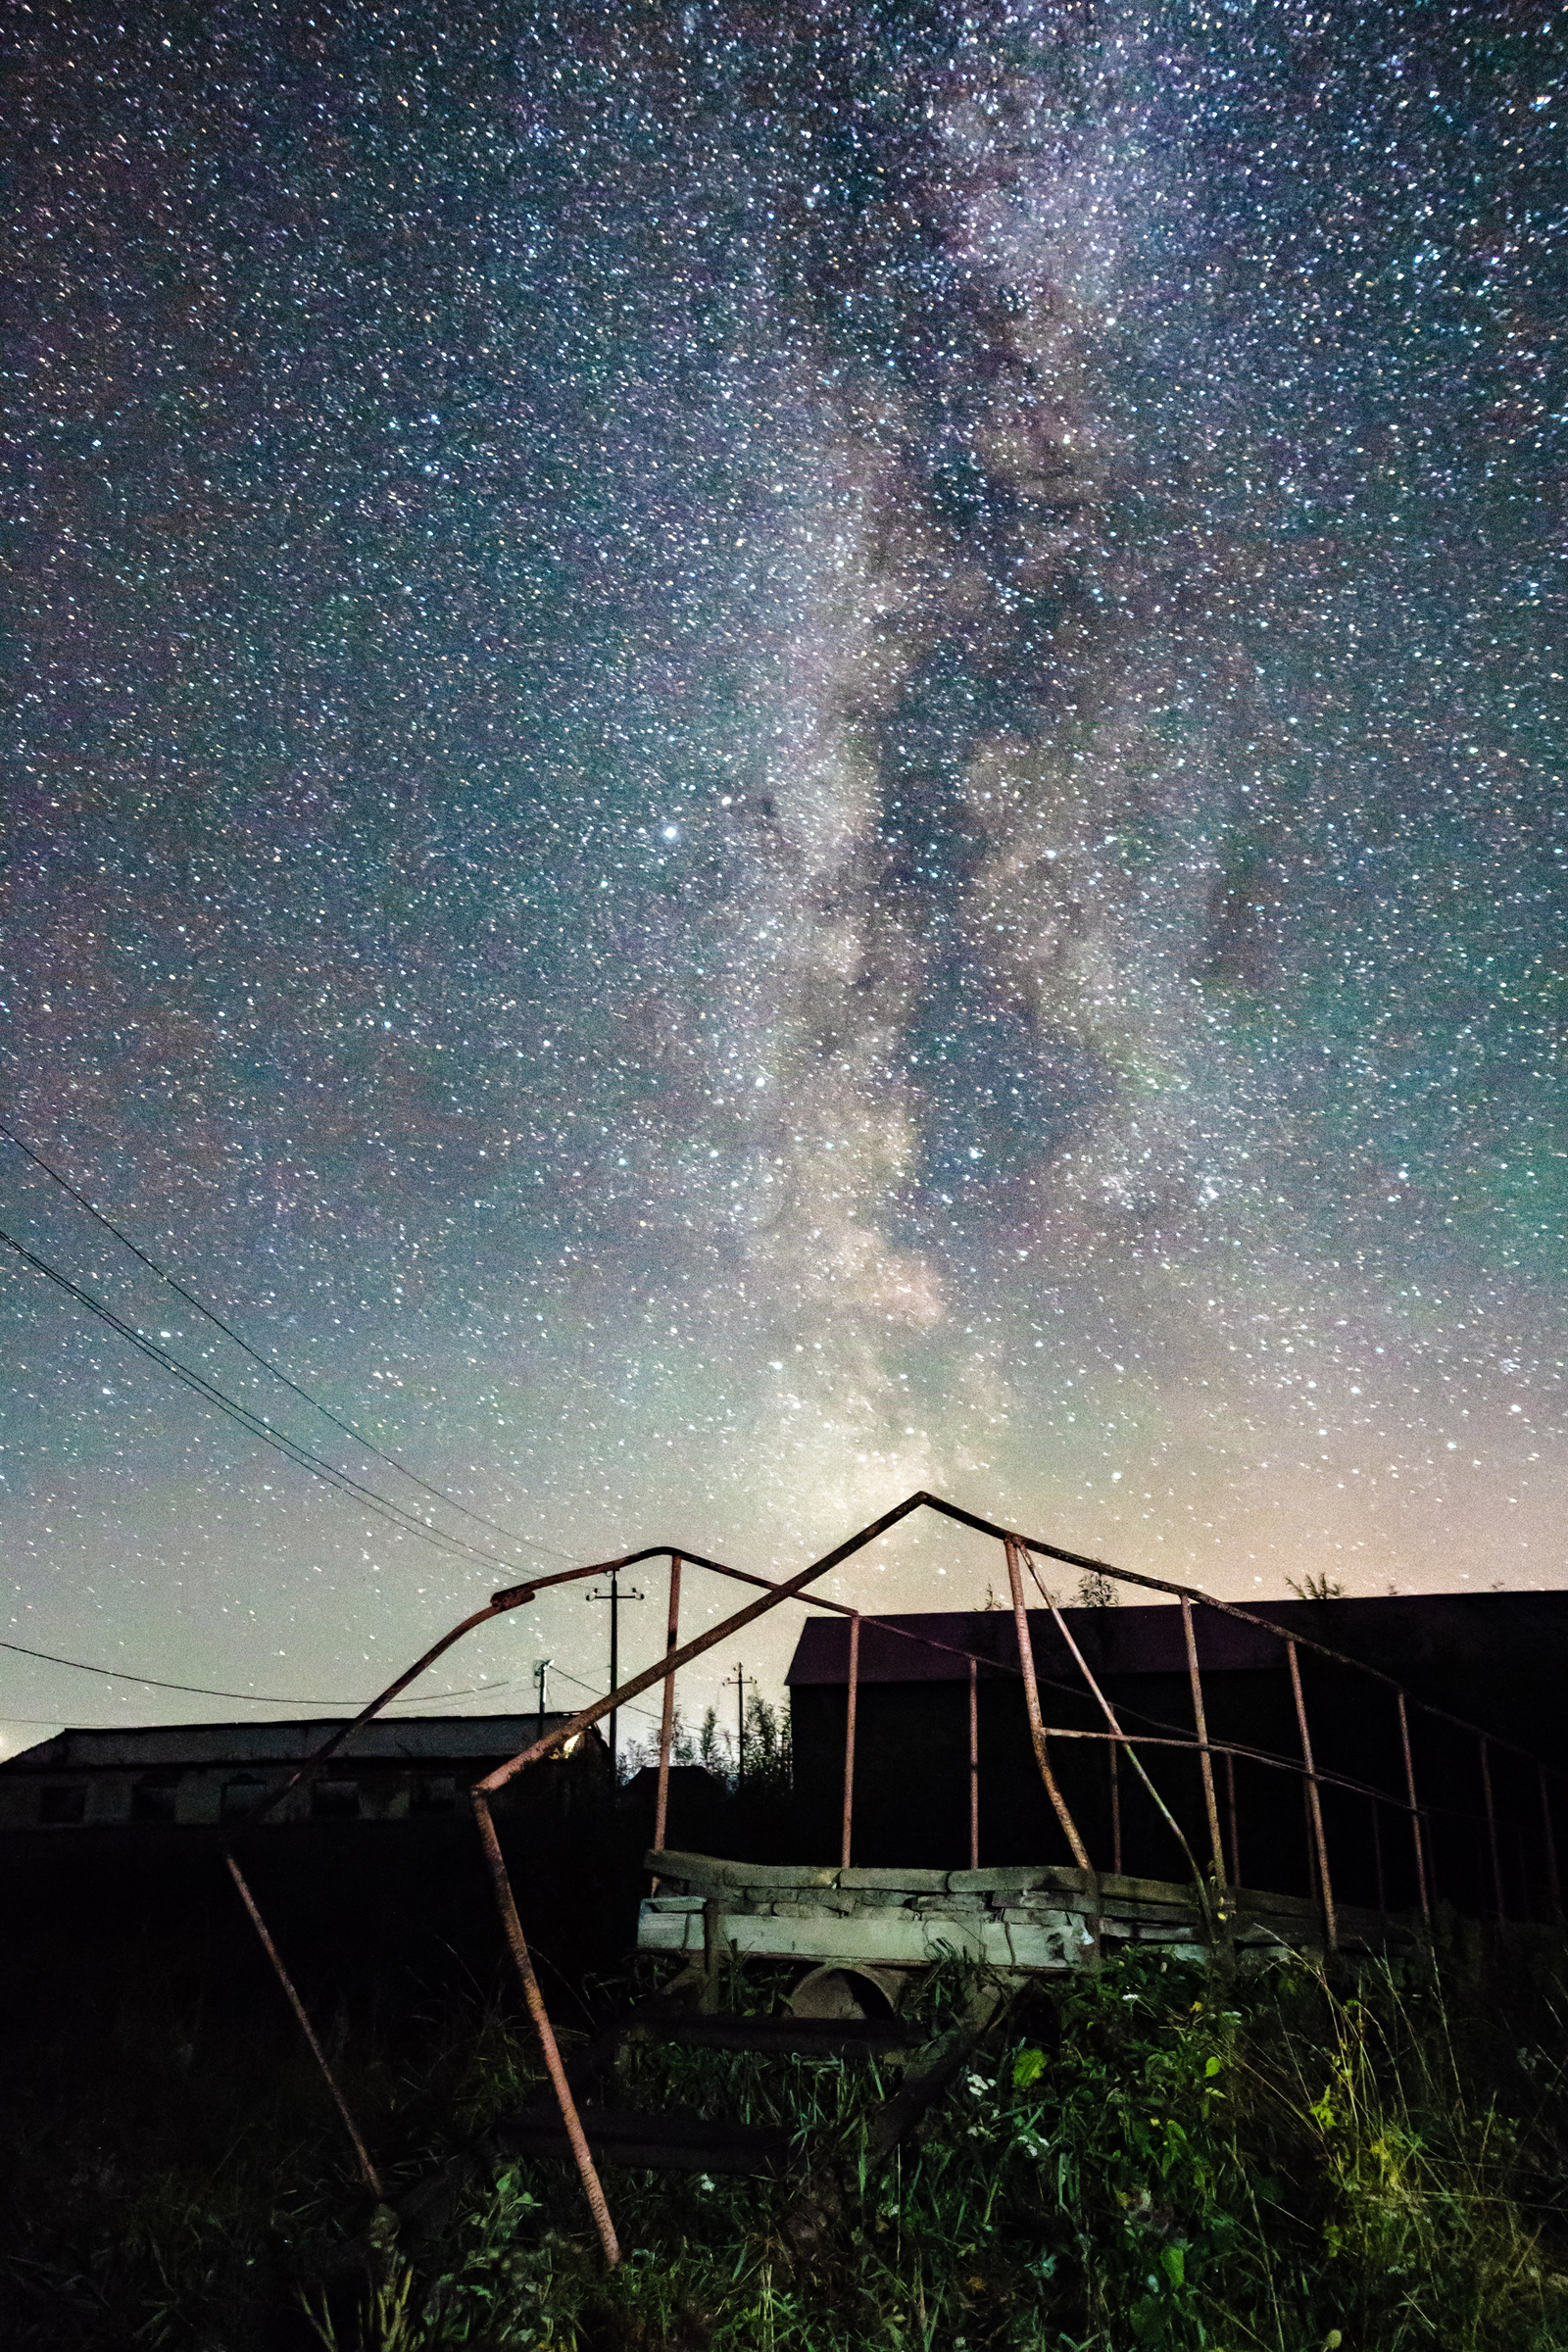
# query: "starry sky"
[[761, 755]]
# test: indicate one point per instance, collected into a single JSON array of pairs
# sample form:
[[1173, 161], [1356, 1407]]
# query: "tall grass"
[[1290, 2163], [1286, 2162]]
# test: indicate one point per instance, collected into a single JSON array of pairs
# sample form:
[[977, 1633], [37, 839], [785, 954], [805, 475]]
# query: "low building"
[[170, 1777]]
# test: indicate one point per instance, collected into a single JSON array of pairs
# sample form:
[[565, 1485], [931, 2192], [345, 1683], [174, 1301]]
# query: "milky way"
[[764, 755]]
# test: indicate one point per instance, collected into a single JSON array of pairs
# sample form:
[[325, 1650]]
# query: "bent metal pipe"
[[772, 1595]]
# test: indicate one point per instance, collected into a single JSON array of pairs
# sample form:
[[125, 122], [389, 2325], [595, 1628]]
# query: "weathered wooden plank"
[[716, 1869], [908, 1881]]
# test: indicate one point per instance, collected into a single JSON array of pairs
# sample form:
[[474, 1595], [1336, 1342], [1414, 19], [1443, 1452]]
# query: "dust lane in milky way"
[[756, 762]]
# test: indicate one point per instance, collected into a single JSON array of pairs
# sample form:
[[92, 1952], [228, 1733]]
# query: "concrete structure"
[[1011, 1917], [201, 1775]]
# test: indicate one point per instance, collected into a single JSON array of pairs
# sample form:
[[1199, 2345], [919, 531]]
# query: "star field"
[[759, 756]]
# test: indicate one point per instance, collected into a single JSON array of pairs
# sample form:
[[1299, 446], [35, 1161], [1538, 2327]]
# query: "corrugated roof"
[[429, 1739]]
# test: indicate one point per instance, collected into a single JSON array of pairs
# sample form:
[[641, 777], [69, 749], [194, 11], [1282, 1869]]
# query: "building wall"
[[62, 1793], [911, 1781]]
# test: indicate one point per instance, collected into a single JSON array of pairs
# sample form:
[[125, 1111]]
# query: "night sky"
[[764, 754]]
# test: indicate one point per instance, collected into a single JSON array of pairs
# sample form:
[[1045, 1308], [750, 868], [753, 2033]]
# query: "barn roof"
[[1401, 1633], [425, 1738]]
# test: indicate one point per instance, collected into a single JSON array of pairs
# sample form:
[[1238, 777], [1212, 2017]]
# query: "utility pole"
[[539, 1673], [614, 1597], [739, 1678]]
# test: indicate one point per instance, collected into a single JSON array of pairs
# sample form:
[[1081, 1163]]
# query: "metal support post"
[[1113, 1754], [1230, 1806], [1122, 1741], [371, 2176], [853, 1701], [974, 1765], [1415, 1814], [1031, 1694], [667, 1715], [516, 1944], [1331, 1933], [1206, 1761]]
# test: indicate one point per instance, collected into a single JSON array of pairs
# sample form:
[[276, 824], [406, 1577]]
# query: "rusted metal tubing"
[[522, 1961], [1415, 1815], [371, 2176], [974, 1765], [516, 1595], [667, 1716], [702, 1643], [1553, 1887], [985, 1527], [794, 1586], [1492, 1830], [497, 1607], [1031, 1701], [854, 1693], [1131, 1742], [1226, 1608], [1117, 1734], [1206, 1761], [1113, 1752], [1331, 1934], [1230, 1805]]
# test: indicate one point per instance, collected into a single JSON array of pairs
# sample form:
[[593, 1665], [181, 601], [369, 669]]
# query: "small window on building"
[[336, 1800], [241, 1796], [61, 1808], [434, 1793], [153, 1799]]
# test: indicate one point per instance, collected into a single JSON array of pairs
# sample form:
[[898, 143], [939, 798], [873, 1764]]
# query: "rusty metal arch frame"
[[1018, 1549]]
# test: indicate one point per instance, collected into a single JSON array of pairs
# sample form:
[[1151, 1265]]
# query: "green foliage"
[[1208, 2163], [710, 1744], [767, 1752], [1200, 2165], [1315, 1587], [1423, 2188]]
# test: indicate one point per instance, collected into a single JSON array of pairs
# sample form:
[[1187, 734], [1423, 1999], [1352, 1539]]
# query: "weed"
[[1273, 2163], [1290, 2166]]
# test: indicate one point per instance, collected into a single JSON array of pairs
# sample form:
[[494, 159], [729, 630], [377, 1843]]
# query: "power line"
[[45, 1721], [252, 1699], [257, 1424], [277, 1371], [152, 1682], [593, 1691]]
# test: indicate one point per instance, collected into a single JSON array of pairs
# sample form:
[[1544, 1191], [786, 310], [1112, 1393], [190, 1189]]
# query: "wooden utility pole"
[[739, 1678], [614, 1597]]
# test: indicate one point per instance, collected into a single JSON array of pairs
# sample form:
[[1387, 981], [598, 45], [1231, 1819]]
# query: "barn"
[[944, 1771]]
